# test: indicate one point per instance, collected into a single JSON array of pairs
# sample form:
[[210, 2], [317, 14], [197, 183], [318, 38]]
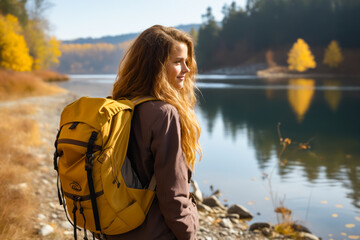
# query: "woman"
[[165, 134]]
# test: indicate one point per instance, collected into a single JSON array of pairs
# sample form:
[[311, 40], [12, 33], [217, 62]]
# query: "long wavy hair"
[[142, 72]]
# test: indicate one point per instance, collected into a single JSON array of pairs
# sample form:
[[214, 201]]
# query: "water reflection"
[[329, 119], [333, 97], [300, 95]]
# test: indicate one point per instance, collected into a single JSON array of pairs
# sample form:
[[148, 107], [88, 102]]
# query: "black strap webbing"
[[74, 217], [82, 213], [56, 156], [88, 168]]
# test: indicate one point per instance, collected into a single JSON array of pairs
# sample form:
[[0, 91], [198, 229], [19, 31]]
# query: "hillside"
[[98, 55], [123, 37]]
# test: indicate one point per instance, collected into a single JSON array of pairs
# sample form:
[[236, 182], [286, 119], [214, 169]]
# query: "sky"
[[71, 19]]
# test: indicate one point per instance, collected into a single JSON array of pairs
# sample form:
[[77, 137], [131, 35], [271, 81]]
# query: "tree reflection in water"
[[307, 108]]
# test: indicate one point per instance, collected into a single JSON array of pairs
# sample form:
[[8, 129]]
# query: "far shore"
[[264, 71]]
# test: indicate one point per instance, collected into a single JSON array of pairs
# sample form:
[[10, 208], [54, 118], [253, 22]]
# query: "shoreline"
[[216, 222], [263, 71]]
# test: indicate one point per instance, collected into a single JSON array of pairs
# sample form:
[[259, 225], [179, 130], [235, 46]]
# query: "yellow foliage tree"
[[333, 56], [14, 53], [300, 57], [45, 50]]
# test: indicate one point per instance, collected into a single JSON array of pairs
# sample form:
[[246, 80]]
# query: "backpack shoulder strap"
[[139, 100]]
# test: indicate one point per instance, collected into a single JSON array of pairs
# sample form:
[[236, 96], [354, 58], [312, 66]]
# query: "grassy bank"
[[15, 85], [19, 134]]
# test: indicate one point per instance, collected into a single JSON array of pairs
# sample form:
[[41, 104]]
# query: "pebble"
[[46, 230], [226, 223], [66, 225], [45, 181], [213, 202]]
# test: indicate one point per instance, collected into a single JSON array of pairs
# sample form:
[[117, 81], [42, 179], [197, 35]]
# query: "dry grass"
[[15, 85], [18, 206], [50, 76], [19, 133]]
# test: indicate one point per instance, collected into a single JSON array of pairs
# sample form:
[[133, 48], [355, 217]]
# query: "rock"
[[226, 223], [202, 229], [44, 181], [46, 230], [233, 216], [300, 228], [196, 191], [259, 226], [66, 225], [240, 210], [209, 219], [204, 208], [307, 236], [213, 201], [220, 210], [41, 216], [234, 220], [20, 186], [216, 193]]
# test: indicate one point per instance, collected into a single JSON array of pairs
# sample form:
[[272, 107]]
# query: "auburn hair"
[[142, 72]]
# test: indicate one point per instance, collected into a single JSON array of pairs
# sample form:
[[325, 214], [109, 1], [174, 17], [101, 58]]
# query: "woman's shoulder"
[[155, 114], [157, 108]]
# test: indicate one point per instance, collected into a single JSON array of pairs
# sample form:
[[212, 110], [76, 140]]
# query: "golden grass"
[[50, 76], [18, 206], [15, 85]]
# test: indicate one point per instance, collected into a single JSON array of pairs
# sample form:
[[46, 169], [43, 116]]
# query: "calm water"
[[243, 157]]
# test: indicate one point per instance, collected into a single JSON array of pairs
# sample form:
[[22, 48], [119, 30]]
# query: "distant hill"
[[98, 55], [123, 37]]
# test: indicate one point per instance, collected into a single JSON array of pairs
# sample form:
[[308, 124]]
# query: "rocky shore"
[[216, 220]]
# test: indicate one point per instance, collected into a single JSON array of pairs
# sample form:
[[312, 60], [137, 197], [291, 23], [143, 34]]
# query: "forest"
[[248, 35], [25, 42], [261, 32]]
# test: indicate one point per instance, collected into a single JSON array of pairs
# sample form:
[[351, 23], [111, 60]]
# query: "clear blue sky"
[[70, 19]]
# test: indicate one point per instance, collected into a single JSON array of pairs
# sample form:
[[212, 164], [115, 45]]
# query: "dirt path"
[[50, 219]]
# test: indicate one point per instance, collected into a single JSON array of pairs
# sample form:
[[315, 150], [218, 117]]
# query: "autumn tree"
[[300, 57], [14, 53], [16, 8], [333, 56], [91, 58], [43, 48]]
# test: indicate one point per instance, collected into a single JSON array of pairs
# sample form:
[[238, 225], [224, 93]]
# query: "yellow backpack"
[[98, 188]]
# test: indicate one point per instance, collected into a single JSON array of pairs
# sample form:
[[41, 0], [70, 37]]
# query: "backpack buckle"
[[89, 161]]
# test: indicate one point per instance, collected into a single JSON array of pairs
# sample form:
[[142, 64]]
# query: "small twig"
[[308, 206], [279, 133]]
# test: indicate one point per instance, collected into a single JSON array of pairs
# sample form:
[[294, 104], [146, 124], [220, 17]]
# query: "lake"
[[266, 143]]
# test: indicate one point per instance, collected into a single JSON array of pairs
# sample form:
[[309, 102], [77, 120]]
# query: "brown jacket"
[[155, 147]]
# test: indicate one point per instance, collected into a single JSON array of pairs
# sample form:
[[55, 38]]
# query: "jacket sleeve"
[[171, 173]]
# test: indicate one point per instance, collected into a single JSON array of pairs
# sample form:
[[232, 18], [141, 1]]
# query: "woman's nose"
[[185, 68]]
